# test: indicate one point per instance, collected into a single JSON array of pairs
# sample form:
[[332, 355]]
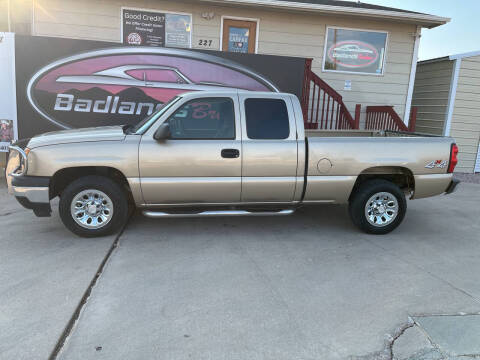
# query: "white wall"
[[465, 127], [431, 94]]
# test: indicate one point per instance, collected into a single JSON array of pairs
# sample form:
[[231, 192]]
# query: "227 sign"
[[205, 42]]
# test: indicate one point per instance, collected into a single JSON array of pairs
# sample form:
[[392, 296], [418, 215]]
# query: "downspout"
[[413, 72], [9, 21], [452, 94]]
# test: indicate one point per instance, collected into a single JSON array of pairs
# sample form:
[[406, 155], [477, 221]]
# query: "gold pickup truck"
[[226, 153]]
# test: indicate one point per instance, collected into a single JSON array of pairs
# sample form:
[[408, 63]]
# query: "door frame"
[[147, 136], [228, 17]]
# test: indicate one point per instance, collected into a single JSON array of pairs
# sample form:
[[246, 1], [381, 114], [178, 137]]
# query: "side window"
[[206, 118], [266, 119]]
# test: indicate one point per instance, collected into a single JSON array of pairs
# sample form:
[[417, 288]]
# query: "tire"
[[377, 206], [99, 204]]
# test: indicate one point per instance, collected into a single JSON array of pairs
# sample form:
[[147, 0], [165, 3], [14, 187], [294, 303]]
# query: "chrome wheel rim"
[[91, 209], [381, 209]]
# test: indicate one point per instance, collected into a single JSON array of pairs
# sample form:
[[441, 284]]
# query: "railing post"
[[307, 78], [413, 120], [358, 109]]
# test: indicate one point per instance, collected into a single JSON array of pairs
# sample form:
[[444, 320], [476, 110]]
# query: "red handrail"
[[323, 107], [386, 118]]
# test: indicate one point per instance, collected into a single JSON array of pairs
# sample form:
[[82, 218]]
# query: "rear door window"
[[266, 119]]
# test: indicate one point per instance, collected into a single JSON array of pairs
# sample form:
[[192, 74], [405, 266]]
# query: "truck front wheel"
[[377, 206], [93, 206]]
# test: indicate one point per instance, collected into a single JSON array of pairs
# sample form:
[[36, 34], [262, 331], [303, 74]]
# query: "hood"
[[104, 133]]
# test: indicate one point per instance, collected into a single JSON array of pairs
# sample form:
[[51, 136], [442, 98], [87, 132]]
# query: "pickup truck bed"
[[343, 156]]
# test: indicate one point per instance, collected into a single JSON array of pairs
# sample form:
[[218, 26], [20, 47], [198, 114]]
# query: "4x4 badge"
[[437, 164]]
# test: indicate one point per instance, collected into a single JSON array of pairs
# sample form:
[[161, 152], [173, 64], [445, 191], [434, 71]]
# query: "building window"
[[239, 35], [156, 28], [355, 51]]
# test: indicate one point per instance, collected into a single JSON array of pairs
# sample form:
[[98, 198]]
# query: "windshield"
[[149, 120]]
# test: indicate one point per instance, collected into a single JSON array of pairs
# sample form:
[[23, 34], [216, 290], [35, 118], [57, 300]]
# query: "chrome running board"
[[162, 214]]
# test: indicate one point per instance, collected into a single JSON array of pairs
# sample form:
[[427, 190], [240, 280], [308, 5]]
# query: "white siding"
[[280, 33], [431, 94], [3, 15], [465, 126]]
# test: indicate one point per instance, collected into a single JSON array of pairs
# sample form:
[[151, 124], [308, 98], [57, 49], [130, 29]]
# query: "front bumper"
[[33, 192], [452, 187]]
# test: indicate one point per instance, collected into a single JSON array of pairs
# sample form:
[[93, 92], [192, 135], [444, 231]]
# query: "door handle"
[[230, 153]]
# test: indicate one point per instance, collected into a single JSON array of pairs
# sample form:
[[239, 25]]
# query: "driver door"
[[201, 160]]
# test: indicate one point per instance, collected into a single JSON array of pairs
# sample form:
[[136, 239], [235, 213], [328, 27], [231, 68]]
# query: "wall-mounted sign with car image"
[[355, 51], [67, 83], [156, 28]]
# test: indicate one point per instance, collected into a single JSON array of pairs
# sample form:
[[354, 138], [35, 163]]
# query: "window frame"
[[200, 99], [288, 119], [355, 72], [239, 18]]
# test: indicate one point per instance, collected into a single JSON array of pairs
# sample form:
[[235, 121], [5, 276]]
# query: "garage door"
[[477, 164]]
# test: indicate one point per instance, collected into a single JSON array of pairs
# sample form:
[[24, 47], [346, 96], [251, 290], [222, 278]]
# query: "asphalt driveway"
[[309, 286]]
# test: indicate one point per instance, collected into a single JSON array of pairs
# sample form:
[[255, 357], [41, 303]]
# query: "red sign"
[[353, 54]]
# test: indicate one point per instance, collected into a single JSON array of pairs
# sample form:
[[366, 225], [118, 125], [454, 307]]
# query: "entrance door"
[[239, 36], [201, 160]]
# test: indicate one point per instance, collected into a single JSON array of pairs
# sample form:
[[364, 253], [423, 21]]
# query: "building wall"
[[280, 33], [465, 127], [21, 12], [431, 94], [3, 15]]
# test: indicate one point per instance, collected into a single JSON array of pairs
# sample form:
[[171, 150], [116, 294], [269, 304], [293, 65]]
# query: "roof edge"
[[464, 55], [451, 57], [434, 60], [426, 20]]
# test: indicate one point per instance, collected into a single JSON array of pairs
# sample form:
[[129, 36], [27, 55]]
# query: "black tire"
[[363, 194], [113, 190]]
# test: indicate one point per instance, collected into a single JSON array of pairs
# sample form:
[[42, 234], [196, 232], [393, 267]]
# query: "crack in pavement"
[[387, 352], [62, 340]]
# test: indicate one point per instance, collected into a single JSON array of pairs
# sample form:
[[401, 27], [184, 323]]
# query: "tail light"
[[453, 158]]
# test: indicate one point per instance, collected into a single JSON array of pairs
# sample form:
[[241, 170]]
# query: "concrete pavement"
[[308, 286], [44, 271], [305, 287]]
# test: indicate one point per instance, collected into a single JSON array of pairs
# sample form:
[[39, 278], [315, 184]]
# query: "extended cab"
[[226, 153]]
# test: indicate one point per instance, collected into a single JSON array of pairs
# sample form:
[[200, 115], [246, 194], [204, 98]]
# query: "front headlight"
[[18, 161]]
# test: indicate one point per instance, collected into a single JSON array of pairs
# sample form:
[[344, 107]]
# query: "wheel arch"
[[399, 175], [63, 177]]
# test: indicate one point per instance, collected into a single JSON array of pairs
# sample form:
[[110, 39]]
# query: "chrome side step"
[[162, 214]]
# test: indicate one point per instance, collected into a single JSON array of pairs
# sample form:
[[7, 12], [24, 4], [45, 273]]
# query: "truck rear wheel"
[[377, 206], [93, 206]]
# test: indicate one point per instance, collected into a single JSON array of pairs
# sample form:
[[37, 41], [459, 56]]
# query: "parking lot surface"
[[309, 286]]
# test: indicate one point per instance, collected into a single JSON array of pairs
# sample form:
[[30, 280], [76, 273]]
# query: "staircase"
[[324, 109]]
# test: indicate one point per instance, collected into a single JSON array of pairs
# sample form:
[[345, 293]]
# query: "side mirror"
[[163, 132]]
